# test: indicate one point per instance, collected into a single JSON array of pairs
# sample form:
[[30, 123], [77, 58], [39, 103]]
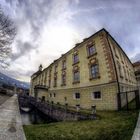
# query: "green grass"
[[109, 126]]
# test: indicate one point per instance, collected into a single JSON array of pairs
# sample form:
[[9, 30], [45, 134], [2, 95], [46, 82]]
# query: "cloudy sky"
[[48, 28]]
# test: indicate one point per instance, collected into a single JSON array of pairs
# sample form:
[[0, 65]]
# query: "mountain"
[[4, 79]]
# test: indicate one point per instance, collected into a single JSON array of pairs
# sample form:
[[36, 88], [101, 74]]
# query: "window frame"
[[55, 81], [75, 61], [88, 50], [55, 68], [94, 73], [76, 81], [54, 95], [63, 81], [50, 95], [93, 95], [74, 95], [63, 64]]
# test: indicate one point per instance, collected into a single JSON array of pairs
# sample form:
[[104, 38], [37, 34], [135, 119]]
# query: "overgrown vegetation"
[[110, 126]]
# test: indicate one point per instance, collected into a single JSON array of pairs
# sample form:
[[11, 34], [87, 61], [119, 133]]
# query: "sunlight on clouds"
[[58, 39], [49, 28], [55, 41]]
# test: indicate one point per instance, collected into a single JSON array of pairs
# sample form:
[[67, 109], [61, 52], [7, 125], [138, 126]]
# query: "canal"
[[34, 116]]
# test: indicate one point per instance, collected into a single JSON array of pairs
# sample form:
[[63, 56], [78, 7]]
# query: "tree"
[[7, 35]]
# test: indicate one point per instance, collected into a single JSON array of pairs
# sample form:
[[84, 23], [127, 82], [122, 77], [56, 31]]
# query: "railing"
[[58, 110], [128, 100]]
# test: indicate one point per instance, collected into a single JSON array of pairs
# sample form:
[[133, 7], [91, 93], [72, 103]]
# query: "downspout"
[[119, 103]]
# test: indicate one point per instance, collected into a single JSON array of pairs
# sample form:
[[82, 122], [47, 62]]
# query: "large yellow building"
[[137, 72], [91, 73]]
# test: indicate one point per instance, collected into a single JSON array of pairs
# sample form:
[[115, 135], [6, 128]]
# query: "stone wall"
[[53, 111], [108, 100]]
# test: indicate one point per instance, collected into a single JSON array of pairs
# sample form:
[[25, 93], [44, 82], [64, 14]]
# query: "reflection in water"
[[34, 117]]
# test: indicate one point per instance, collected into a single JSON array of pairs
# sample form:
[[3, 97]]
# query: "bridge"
[[54, 111]]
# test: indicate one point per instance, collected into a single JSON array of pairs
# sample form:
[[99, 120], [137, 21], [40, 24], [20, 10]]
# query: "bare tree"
[[7, 35]]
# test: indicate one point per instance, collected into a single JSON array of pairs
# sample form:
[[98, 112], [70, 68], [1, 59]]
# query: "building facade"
[[137, 72], [91, 73]]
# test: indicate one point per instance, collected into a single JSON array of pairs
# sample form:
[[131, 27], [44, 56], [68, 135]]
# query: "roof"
[[136, 63], [36, 73], [76, 45], [84, 41]]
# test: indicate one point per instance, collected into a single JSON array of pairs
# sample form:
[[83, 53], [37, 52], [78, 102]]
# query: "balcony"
[[41, 87]]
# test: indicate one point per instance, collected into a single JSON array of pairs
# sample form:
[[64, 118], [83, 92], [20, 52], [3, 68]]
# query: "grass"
[[110, 126]]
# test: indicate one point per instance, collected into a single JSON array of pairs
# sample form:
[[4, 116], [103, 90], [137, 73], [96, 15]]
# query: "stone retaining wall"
[[53, 111]]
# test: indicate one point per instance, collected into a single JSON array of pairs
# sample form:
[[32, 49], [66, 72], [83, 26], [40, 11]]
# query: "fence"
[[128, 100]]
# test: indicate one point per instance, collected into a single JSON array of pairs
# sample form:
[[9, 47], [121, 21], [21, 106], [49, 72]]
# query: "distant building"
[[91, 73], [137, 72]]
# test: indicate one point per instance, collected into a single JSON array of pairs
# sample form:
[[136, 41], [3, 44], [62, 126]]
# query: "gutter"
[[119, 105]]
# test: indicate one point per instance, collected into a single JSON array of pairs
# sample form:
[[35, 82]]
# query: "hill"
[[4, 79]]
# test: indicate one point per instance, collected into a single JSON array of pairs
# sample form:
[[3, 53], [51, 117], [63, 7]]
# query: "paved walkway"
[[10, 120], [136, 134], [3, 98]]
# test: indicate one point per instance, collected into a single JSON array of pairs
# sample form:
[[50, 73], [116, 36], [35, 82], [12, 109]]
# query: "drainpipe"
[[119, 103]]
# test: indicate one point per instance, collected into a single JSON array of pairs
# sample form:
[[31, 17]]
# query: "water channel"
[[34, 116]]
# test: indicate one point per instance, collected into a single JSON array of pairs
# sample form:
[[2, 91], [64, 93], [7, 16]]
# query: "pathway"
[[10, 120]]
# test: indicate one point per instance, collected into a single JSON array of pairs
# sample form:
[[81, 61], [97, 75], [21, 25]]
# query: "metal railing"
[[128, 100]]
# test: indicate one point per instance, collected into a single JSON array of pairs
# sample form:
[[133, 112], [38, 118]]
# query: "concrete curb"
[[136, 134]]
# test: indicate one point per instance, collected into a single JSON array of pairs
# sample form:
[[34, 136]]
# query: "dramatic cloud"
[[49, 28], [23, 49], [136, 57]]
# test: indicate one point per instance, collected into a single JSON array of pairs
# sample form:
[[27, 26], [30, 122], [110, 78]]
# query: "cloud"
[[49, 28], [136, 57], [23, 49]]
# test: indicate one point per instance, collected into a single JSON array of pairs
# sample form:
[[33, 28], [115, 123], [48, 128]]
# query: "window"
[[63, 79], [75, 58], [94, 71], [120, 71], [50, 73], [50, 95], [76, 76], [77, 95], [96, 95], [49, 82], [55, 81], [91, 50], [45, 78], [55, 75], [43, 98], [54, 94], [55, 68], [115, 50], [64, 64]]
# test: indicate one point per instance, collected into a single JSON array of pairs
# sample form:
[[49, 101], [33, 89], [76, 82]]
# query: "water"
[[34, 117]]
